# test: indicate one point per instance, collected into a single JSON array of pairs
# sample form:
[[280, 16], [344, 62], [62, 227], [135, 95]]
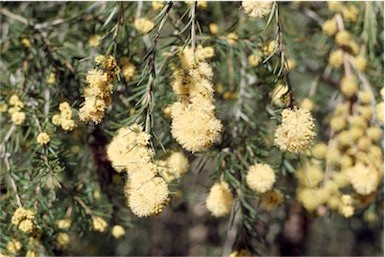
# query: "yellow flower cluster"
[[329, 27], [353, 157], [14, 246], [349, 86], [64, 118], [118, 231], [147, 193], [128, 69], [51, 79], [24, 219], [98, 94], [129, 150], [254, 59], [194, 125], [345, 40], [220, 199], [17, 116], [349, 12], [269, 48], [62, 239], [99, 223], [94, 40], [173, 167], [296, 132], [308, 104], [214, 28], [260, 177], [257, 9], [157, 5], [43, 138], [64, 223], [336, 58], [143, 25]]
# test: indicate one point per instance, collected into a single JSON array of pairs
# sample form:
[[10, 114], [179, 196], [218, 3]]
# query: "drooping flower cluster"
[[17, 115], [352, 159], [24, 220], [98, 93], [296, 132], [194, 125], [64, 119], [257, 9], [220, 199], [146, 192]]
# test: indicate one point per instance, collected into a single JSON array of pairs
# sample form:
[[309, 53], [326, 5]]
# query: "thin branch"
[[153, 71], [193, 14], [85, 207]]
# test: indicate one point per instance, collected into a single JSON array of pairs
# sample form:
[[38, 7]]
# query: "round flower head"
[[143, 25], [329, 27], [26, 226], [62, 239], [18, 118], [257, 9], [195, 126], [319, 150], [296, 132], [260, 177], [363, 179], [220, 199], [118, 231], [19, 215], [149, 198], [43, 138], [64, 223], [336, 58]]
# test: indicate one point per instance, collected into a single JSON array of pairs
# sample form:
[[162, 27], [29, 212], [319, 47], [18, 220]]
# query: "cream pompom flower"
[[257, 9], [204, 128], [296, 132], [118, 231], [260, 177], [43, 138], [143, 25], [364, 180], [220, 199], [148, 198]]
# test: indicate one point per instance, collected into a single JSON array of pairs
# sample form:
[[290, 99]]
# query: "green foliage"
[[71, 176]]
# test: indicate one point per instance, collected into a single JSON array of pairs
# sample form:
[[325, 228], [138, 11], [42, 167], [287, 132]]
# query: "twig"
[[85, 207], [7, 136], [14, 16], [13, 184], [153, 71], [193, 13]]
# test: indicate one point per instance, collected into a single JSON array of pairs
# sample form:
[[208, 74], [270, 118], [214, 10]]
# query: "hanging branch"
[[152, 73]]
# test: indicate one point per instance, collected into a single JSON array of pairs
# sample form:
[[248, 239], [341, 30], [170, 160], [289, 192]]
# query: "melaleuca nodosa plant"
[[121, 119]]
